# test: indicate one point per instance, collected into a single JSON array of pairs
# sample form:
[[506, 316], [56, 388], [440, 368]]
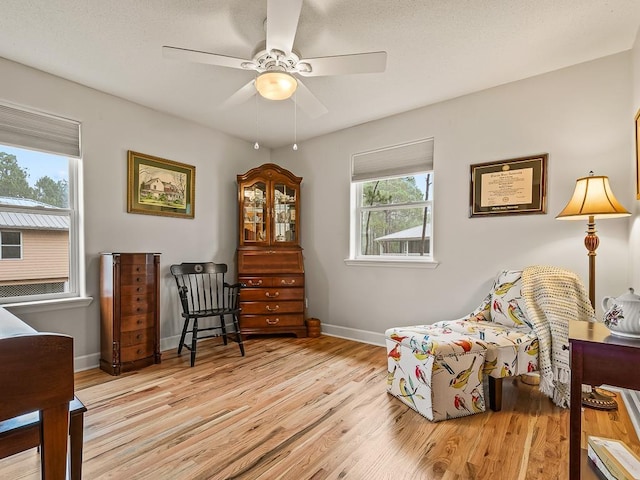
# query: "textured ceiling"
[[436, 50]]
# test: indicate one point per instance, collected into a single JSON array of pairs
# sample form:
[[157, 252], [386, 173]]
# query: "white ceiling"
[[437, 49]]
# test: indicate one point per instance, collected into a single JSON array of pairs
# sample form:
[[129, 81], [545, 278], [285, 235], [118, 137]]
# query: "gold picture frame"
[[637, 121], [157, 186], [509, 187]]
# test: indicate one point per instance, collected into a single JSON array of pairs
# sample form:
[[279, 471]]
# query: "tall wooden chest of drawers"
[[129, 311]]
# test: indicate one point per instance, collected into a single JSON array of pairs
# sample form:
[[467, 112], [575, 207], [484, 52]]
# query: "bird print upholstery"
[[438, 369]]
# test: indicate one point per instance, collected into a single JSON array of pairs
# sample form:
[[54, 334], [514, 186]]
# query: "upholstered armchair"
[[520, 327]]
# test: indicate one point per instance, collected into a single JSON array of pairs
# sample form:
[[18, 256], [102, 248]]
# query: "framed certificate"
[[509, 187]]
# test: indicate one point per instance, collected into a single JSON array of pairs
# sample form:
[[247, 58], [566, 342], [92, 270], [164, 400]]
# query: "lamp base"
[[598, 401]]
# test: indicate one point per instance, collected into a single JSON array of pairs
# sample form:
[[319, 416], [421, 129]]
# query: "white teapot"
[[622, 314]]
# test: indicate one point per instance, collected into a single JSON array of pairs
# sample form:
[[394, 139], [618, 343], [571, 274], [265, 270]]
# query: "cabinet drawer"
[[136, 258], [133, 270], [267, 294], [137, 279], [136, 322], [138, 337], [136, 352], [137, 289], [288, 281], [270, 308], [276, 281], [255, 281], [137, 304], [266, 321]]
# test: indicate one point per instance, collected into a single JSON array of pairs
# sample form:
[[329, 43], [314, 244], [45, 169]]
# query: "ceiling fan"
[[278, 65]]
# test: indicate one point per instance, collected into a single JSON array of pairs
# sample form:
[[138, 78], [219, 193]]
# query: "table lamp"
[[593, 198]]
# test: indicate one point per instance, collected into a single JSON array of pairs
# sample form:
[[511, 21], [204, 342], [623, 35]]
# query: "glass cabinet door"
[[254, 211], [285, 202]]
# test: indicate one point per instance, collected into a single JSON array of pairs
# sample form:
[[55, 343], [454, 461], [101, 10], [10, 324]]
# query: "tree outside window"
[[395, 215]]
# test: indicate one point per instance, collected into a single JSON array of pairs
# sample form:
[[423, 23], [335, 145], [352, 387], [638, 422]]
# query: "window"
[[10, 245], [392, 203], [39, 207]]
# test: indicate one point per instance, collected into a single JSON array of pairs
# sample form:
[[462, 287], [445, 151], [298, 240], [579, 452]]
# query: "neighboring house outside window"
[[392, 204], [39, 208], [43, 249]]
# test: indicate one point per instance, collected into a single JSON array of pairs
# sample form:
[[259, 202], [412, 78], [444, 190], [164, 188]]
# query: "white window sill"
[[405, 262], [48, 305]]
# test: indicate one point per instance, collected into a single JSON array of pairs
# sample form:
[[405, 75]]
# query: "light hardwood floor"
[[313, 408]]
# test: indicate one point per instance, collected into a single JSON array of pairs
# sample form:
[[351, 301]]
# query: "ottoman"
[[436, 371]]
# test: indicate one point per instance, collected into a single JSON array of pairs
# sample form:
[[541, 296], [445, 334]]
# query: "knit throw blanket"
[[553, 297]]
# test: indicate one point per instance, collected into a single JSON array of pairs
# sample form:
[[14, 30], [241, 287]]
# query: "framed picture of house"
[[156, 186], [509, 187], [638, 155]]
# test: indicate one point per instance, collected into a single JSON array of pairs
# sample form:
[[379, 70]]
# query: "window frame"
[[2, 245], [357, 210], [61, 137]]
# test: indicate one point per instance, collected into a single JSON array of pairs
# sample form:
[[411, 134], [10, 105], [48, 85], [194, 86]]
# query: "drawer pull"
[[139, 322], [139, 336], [276, 308], [272, 322], [138, 280], [271, 252], [272, 295], [137, 269], [257, 284], [288, 282]]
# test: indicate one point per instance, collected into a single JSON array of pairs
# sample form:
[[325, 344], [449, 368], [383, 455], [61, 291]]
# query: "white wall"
[[634, 236], [578, 115], [110, 127]]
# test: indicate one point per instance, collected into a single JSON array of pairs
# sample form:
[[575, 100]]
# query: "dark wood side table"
[[597, 358]]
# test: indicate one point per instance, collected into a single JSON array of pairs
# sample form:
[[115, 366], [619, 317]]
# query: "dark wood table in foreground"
[[597, 358]]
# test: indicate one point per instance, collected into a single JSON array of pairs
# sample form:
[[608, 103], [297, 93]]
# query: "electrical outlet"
[[306, 302]]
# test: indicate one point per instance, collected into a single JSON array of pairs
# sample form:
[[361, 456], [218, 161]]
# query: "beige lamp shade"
[[276, 85], [592, 197]]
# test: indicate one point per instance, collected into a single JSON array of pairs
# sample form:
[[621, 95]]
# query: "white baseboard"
[[86, 362], [169, 343], [364, 336]]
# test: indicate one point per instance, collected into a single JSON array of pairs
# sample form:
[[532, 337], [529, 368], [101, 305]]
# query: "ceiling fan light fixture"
[[276, 85]]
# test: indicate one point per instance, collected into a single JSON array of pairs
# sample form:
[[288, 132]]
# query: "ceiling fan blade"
[[308, 102], [241, 96], [203, 57], [282, 23], [372, 62]]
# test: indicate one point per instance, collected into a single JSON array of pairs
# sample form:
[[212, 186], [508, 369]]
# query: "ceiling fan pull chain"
[[256, 145], [295, 121]]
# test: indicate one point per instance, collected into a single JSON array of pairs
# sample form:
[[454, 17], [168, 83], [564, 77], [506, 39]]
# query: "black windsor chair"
[[204, 294]]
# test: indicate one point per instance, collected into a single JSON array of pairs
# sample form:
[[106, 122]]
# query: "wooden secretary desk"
[[269, 255]]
